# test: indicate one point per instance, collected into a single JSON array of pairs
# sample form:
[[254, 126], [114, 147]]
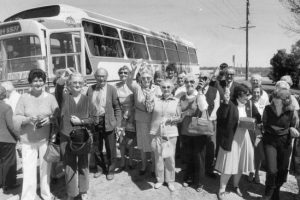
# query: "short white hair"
[[8, 85], [282, 85], [256, 76]]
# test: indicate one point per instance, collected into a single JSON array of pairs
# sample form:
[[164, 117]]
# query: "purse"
[[52, 154], [166, 149], [80, 141], [200, 126]]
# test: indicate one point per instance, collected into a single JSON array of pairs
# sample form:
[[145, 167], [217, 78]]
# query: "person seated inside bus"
[[11, 53], [58, 63], [93, 46]]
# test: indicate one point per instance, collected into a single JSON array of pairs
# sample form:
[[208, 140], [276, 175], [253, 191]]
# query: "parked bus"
[[56, 37]]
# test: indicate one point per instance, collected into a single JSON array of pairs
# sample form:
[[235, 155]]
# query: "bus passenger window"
[[58, 63]]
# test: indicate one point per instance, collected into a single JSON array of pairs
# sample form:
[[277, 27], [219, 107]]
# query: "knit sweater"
[[32, 106]]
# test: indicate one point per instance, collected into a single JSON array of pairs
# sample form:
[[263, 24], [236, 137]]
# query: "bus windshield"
[[18, 55]]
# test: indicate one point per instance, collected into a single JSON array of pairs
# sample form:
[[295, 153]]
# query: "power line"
[[218, 12], [232, 10]]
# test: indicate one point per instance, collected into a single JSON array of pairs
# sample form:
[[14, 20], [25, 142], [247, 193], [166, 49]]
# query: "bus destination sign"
[[10, 28]]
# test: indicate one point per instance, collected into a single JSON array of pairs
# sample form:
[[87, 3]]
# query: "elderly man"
[[13, 96], [230, 83], [213, 99], [108, 119], [256, 82]]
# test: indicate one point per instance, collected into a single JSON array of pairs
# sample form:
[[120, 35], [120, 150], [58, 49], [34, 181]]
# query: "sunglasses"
[[123, 73], [191, 82], [166, 87]]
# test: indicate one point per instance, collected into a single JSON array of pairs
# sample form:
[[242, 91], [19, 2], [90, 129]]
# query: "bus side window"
[[58, 63]]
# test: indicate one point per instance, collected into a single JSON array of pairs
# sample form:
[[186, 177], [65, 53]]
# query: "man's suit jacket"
[[113, 114]]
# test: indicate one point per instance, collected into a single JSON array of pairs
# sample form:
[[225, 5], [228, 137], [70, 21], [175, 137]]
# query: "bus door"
[[65, 49]]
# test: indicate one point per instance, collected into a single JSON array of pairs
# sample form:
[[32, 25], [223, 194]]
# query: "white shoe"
[[84, 197], [171, 187], [158, 185]]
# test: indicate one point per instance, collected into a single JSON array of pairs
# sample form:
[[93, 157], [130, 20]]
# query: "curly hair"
[[125, 67], [285, 96], [36, 73]]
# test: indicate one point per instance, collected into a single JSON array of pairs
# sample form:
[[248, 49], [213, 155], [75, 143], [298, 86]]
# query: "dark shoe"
[[212, 175], [7, 188], [237, 191], [130, 167], [98, 174], [110, 176], [121, 169]]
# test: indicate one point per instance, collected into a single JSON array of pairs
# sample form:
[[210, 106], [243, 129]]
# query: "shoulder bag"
[[200, 126], [53, 150]]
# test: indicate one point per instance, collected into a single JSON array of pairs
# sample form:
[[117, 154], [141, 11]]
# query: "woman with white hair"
[[143, 92], [193, 104], [166, 112], [283, 84], [76, 111]]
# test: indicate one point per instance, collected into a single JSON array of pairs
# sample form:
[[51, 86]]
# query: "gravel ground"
[[130, 186]]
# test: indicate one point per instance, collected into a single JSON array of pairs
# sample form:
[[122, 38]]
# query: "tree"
[[294, 7], [284, 64]]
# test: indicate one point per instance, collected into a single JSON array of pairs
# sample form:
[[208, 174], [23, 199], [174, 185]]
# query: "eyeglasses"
[[190, 81], [77, 82], [146, 78], [166, 87], [123, 73]]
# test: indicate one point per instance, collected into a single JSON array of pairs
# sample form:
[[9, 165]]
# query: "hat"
[[288, 79], [2, 93]]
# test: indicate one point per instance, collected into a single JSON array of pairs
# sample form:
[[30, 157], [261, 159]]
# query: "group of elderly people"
[[154, 112]]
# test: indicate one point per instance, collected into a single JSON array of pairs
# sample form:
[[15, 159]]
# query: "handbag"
[[166, 149], [200, 126], [80, 140], [52, 154]]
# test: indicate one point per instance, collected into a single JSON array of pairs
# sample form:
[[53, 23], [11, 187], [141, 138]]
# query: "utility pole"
[[247, 35]]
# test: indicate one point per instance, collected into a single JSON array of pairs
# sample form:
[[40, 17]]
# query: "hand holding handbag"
[[80, 140], [200, 126]]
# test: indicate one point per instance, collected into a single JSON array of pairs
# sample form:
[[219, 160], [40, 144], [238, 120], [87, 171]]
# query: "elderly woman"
[[193, 103], [165, 115], [76, 111], [146, 90], [279, 121], [128, 134], [8, 138], [236, 155], [35, 110], [260, 104]]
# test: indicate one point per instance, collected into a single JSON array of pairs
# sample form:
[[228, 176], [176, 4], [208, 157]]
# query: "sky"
[[211, 25]]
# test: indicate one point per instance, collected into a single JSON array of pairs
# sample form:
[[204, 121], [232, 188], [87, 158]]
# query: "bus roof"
[[62, 11]]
